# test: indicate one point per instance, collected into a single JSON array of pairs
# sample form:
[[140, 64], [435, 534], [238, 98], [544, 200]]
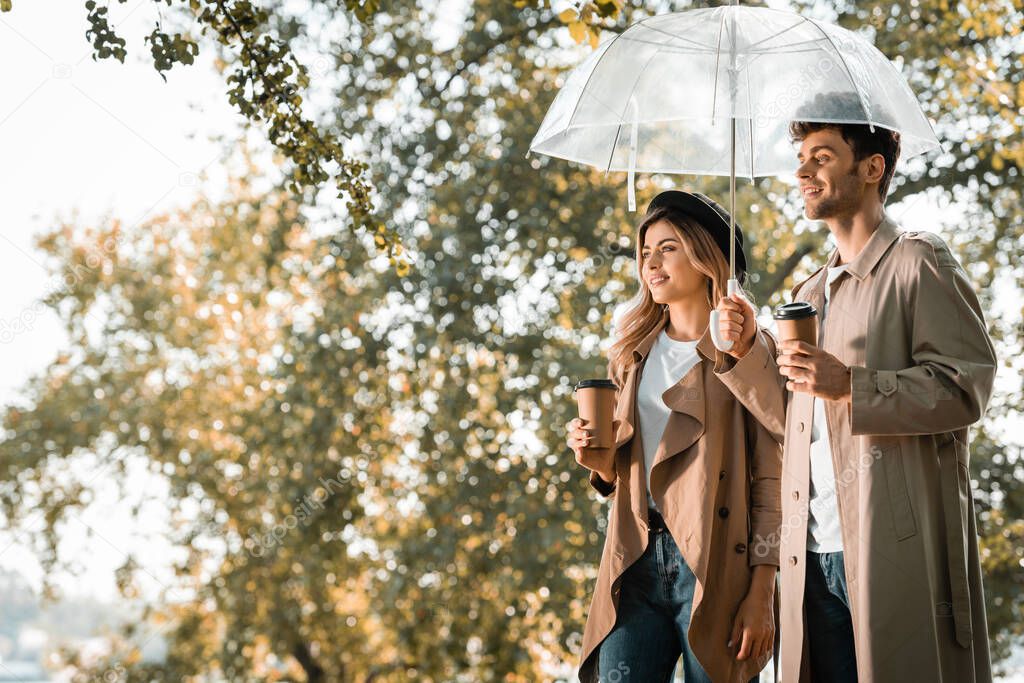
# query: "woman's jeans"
[[653, 617]]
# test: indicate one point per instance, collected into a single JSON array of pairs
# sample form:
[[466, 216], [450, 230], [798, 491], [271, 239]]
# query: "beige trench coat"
[[907, 322], [716, 480]]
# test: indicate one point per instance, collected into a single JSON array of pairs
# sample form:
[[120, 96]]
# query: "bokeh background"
[[238, 445]]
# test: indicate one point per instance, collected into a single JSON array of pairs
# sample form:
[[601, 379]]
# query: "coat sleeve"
[[755, 381], [765, 458], [600, 485], [954, 363]]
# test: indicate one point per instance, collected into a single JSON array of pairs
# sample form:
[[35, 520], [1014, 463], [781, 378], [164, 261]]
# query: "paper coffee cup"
[[798, 320], [596, 401]]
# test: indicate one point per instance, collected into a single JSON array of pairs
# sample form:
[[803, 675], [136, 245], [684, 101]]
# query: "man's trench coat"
[[715, 479], [906, 321]]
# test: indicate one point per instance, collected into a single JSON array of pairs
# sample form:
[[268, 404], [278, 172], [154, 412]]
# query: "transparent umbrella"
[[712, 91]]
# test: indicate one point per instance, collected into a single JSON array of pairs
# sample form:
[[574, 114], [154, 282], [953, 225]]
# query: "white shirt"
[[668, 361], [823, 531]]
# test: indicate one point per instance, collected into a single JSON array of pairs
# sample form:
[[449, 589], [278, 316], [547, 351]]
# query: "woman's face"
[[667, 270]]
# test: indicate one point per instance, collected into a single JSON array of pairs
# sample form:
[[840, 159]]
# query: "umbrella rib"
[[785, 52], [750, 122], [615, 142], [718, 60], [780, 48], [680, 49], [598, 64], [675, 36], [633, 134], [773, 37], [636, 81], [583, 91], [618, 128], [849, 74]]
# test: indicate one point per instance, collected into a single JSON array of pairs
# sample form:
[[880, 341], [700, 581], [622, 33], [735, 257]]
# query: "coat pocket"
[[903, 522]]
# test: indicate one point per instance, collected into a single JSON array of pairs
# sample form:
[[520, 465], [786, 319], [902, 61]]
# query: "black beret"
[[709, 215]]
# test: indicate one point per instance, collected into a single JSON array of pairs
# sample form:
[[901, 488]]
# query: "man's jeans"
[[829, 626], [653, 618]]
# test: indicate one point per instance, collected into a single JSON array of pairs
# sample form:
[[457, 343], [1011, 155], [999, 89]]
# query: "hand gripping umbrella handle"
[[716, 335]]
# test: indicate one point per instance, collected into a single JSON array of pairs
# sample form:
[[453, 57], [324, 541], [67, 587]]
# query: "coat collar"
[[883, 236], [875, 248]]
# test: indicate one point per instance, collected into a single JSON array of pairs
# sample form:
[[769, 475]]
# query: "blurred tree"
[[463, 540], [235, 352]]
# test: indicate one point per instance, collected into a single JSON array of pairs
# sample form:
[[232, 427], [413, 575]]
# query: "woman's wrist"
[[762, 582], [607, 477]]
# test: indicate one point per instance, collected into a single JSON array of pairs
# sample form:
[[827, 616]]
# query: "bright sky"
[[100, 140]]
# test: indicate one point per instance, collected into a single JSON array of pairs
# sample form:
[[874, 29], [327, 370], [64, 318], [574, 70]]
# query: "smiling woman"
[[667, 585], [675, 242]]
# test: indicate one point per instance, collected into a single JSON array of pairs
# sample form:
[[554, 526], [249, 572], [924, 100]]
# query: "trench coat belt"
[[955, 531]]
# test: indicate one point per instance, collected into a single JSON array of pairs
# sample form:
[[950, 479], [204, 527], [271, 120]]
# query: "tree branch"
[[490, 46], [769, 285], [314, 672]]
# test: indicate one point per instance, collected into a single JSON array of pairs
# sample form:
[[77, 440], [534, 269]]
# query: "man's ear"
[[873, 168]]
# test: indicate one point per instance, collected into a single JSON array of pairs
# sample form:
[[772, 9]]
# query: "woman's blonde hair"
[[643, 314]]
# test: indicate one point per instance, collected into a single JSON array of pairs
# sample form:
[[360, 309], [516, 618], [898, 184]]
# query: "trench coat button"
[[799, 426], [796, 495], [721, 475], [740, 548], [792, 560], [723, 512]]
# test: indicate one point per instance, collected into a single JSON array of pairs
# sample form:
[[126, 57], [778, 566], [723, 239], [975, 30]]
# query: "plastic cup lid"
[[794, 311], [598, 383]]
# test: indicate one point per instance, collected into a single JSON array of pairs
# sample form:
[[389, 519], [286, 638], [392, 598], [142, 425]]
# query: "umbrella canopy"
[[661, 96], [712, 92]]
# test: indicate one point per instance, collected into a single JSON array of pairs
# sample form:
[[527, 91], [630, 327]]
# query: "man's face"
[[830, 181]]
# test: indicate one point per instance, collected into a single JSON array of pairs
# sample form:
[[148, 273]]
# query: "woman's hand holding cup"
[[600, 460], [737, 323]]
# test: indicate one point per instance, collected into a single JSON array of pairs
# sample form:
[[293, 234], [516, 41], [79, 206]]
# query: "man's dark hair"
[[864, 143]]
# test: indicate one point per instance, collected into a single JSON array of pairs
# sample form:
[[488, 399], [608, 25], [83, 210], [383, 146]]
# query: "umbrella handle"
[[716, 335]]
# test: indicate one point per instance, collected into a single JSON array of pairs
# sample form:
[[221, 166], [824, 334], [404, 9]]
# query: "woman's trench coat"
[[716, 479], [905, 319]]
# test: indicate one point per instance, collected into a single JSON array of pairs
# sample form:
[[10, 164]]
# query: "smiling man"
[[880, 577]]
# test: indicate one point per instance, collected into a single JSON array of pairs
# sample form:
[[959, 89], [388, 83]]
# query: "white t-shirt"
[[668, 361], [823, 530]]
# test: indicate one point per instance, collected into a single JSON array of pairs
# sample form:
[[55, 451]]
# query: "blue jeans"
[[653, 619], [829, 626]]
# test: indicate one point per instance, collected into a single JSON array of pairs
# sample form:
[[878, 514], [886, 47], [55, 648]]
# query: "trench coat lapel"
[[625, 408], [813, 290], [685, 398]]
